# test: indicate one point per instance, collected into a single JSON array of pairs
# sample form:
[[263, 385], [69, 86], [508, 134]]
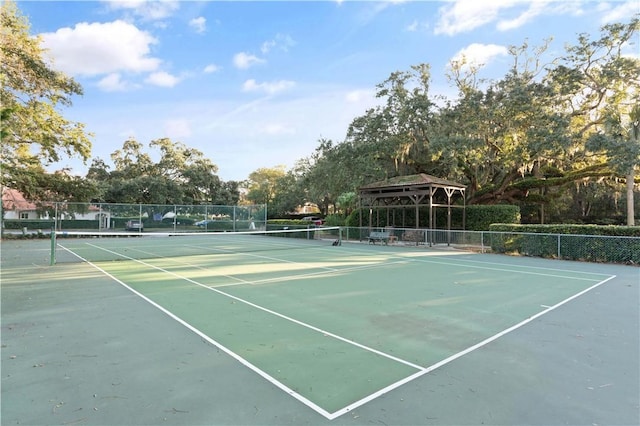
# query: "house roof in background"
[[12, 199]]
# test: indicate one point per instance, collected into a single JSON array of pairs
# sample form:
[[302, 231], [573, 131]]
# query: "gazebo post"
[[397, 191], [430, 216], [464, 215], [449, 192]]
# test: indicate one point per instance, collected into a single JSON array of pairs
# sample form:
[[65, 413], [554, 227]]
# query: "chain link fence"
[[143, 217], [589, 248]]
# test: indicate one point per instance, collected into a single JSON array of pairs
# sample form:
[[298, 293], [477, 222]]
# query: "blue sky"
[[257, 84]]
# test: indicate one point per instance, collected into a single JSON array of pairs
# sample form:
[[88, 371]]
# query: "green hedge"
[[31, 224], [607, 230], [227, 226], [290, 224], [481, 217], [79, 224], [593, 243]]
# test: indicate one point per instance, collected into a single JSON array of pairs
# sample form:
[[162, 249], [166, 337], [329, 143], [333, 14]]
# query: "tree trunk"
[[630, 208]]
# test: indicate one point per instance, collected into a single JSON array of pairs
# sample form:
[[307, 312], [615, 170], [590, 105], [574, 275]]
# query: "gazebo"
[[413, 191]]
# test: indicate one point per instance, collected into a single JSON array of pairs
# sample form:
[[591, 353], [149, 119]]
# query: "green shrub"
[[334, 220], [353, 220], [31, 224], [608, 230], [291, 223], [481, 217], [613, 244]]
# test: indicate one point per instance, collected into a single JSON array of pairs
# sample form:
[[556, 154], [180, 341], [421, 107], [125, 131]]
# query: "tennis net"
[[115, 246]]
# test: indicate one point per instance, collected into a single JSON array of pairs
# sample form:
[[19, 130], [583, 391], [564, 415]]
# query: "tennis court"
[[290, 329]]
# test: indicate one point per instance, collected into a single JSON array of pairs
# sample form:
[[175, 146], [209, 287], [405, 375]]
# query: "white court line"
[[320, 273], [507, 270], [466, 351], [536, 267], [421, 370], [215, 343], [426, 259], [191, 265], [262, 308], [326, 272], [423, 259], [260, 256], [232, 277]]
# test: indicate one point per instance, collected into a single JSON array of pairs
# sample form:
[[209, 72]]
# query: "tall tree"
[[598, 83], [398, 132], [620, 141], [324, 176], [263, 185], [502, 140], [34, 132], [182, 175]]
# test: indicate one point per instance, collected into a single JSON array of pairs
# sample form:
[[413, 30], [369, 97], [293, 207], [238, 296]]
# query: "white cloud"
[[476, 55], [358, 96], [280, 41], [146, 9], [177, 128], [268, 88], [416, 26], [267, 46], [371, 11], [113, 83], [466, 15], [536, 8], [162, 79], [211, 68], [101, 48], [620, 12], [199, 24], [244, 60]]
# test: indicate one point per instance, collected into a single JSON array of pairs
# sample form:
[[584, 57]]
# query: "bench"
[[414, 236], [381, 236]]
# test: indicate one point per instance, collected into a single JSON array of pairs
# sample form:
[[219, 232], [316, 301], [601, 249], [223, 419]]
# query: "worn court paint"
[[324, 401], [471, 401]]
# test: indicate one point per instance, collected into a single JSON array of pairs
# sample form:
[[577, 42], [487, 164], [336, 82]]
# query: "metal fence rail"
[[115, 217], [591, 248]]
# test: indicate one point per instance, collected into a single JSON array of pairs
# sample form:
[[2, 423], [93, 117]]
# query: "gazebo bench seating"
[[382, 236]]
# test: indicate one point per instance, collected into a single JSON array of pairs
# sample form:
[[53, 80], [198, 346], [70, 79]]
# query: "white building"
[[16, 207]]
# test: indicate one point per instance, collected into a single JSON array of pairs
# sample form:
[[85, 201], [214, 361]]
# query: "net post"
[[53, 246]]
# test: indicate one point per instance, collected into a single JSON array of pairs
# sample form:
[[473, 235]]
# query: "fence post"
[[559, 235], [175, 217], [53, 245]]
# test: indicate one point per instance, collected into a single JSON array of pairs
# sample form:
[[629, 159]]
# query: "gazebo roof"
[[415, 191], [419, 180]]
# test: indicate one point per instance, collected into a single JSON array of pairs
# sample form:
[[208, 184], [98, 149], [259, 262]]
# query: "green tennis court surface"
[[333, 329]]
